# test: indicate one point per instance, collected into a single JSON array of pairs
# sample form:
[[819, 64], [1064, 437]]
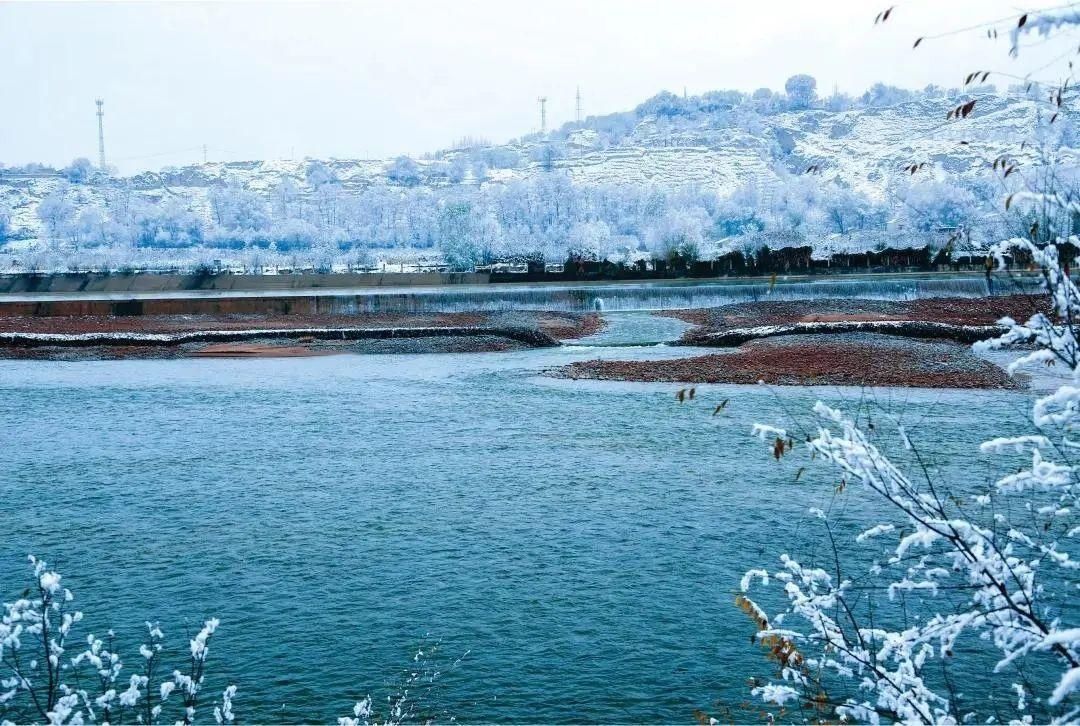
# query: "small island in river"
[[853, 342]]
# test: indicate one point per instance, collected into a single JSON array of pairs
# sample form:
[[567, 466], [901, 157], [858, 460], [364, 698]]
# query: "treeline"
[[545, 217]]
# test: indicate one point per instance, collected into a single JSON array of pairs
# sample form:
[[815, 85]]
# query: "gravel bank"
[[852, 359], [952, 310], [444, 334]]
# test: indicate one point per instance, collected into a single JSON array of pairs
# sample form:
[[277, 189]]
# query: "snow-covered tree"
[[317, 174], [50, 673], [285, 199], [51, 676], [90, 227], [5, 222], [591, 240], [294, 234], [458, 169], [880, 95], [238, 209], [678, 236], [459, 247], [740, 212], [845, 210], [954, 602], [938, 204], [801, 90], [78, 171], [169, 223], [56, 213], [404, 171], [950, 570], [795, 205]]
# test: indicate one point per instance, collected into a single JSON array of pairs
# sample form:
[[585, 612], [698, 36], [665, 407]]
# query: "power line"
[[175, 152], [991, 23]]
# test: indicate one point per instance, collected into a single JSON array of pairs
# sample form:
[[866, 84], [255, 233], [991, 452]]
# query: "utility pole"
[[101, 132], [577, 105], [204, 153], [542, 100]]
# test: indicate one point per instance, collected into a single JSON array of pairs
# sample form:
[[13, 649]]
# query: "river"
[[573, 546]]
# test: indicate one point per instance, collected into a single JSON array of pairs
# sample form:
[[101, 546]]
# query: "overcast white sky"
[[373, 79]]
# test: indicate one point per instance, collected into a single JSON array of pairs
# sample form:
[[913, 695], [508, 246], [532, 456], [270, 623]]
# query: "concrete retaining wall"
[[247, 305], [142, 282]]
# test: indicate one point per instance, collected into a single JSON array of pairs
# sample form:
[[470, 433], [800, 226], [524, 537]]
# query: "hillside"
[[722, 170]]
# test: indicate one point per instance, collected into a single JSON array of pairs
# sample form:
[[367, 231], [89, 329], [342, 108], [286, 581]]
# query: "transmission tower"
[[101, 132], [542, 100], [577, 105]]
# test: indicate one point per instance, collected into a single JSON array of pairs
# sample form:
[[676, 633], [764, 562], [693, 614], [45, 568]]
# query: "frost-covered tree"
[[501, 158], [458, 244], [169, 223], [740, 212], [285, 199], [5, 222], [801, 90], [845, 210], [677, 236], [317, 174], [838, 101], [664, 104], [56, 213], [238, 209], [954, 601], [51, 673], [51, 676], [404, 171], [78, 171], [938, 204], [795, 205], [880, 95], [591, 240], [295, 234], [458, 169], [90, 227]]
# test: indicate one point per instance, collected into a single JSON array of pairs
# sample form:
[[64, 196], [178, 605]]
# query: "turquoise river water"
[[574, 547]]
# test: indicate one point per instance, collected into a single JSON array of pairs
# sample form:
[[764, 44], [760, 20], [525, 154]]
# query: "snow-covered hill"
[[714, 152]]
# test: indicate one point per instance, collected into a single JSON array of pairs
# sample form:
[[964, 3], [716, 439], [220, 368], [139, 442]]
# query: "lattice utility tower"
[[542, 100], [101, 133], [577, 105]]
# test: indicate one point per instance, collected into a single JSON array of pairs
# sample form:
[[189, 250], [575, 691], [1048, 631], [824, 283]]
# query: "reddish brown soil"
[[556, 324], [842, 360], [247, 350], [179, 323], [960, 311], [569, 326]]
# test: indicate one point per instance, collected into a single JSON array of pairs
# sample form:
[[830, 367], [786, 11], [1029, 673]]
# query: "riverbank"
[[961, 311], [109, 337], [851, 342], [852, 359]]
